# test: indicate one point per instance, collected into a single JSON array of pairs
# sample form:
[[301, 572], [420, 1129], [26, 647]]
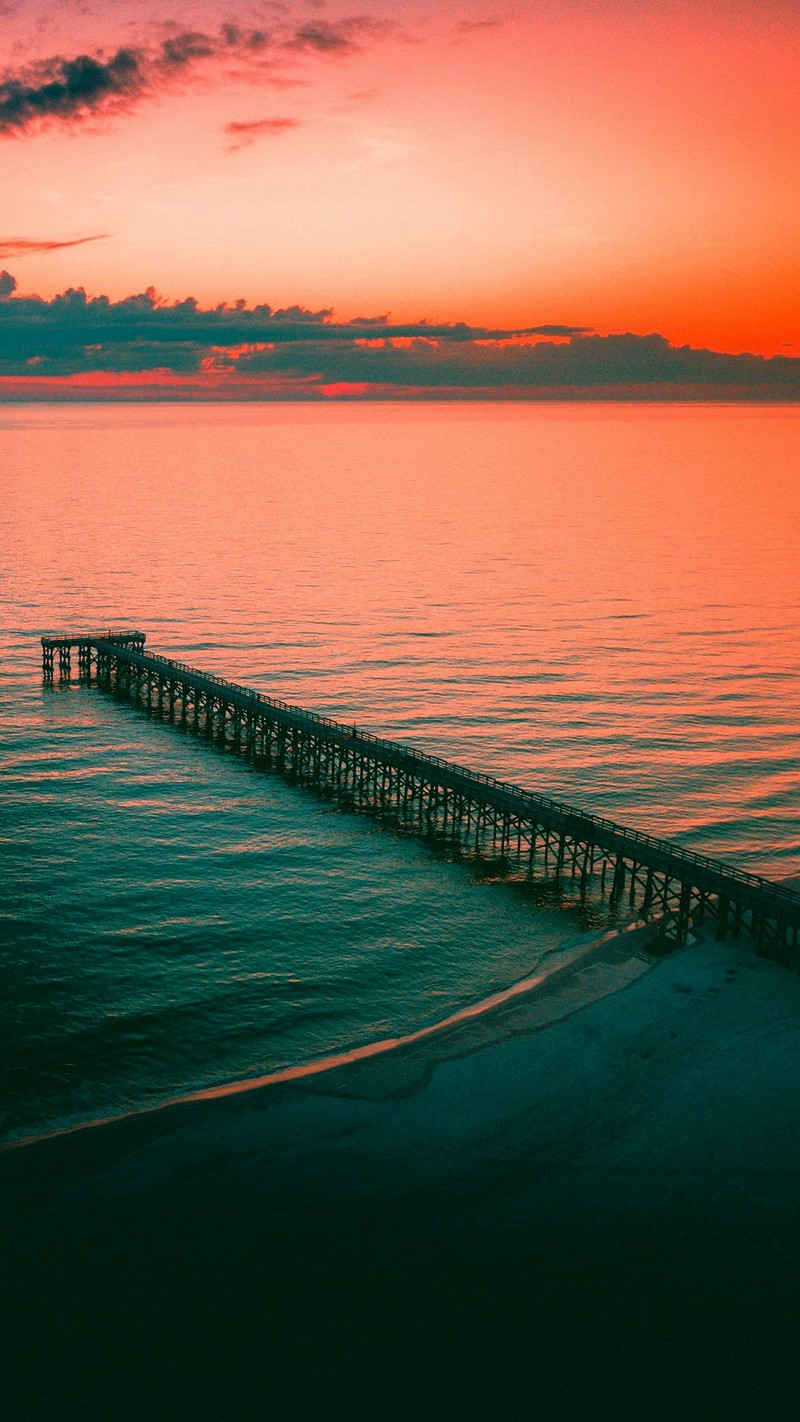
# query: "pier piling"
[[472, 813]]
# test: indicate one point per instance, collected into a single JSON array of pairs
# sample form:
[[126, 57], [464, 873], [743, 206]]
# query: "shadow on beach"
[[595, 1217]]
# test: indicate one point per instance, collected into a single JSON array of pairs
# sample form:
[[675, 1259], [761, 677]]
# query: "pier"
[[524, 833]]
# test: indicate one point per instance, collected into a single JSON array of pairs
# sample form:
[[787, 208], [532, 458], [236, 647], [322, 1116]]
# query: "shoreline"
[[492, 1214], [557, 966]]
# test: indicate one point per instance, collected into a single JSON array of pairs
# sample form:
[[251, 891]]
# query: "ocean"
[[599, 602]]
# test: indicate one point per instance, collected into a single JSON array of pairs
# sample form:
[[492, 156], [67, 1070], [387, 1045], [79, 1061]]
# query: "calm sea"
[[600, 602]]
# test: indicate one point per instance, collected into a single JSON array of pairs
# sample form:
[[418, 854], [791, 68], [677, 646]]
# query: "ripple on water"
[[520, 590]]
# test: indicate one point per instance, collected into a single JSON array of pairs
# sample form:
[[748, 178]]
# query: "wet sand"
[[581, 1203]]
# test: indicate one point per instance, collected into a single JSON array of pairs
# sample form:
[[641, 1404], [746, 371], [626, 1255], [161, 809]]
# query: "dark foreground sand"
[[586, 1203]]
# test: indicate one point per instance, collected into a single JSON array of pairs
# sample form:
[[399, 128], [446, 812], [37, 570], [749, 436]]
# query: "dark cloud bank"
[[57, 348]]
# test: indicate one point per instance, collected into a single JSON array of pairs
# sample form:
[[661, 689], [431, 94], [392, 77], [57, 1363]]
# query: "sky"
[[457, 195]]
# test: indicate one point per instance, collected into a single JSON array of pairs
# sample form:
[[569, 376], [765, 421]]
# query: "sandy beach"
[[595, 1180]]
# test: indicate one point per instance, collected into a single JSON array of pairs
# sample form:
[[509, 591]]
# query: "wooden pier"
[[525, 834]]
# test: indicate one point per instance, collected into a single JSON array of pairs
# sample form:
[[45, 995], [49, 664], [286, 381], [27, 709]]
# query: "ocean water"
[[597, 601]]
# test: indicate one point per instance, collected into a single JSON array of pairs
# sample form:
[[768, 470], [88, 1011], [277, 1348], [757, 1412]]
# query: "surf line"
[[562, 962]]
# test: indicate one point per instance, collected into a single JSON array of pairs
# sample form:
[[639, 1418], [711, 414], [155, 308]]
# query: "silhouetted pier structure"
[[476, 815]]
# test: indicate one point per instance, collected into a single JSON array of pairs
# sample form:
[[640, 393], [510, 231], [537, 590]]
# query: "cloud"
[[337, 36], [65, 90], [560, 331], [469, 27], [76, 332], [619, 365], [242, 135], [24, 247], [260, 352], [185, 49]]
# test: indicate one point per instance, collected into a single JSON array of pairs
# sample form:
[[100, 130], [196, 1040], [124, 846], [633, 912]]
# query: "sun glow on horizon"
[[619, 168]]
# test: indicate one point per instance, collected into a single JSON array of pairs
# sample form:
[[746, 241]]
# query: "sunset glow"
[[399, 710], [608, 168]]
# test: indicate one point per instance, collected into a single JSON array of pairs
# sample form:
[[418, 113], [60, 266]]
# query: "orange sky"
[[618, 165]]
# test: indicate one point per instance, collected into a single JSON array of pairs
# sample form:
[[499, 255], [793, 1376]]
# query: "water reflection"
[[598, 602]]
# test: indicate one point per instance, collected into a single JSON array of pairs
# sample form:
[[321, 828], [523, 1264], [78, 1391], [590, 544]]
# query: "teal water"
[[600, 602]]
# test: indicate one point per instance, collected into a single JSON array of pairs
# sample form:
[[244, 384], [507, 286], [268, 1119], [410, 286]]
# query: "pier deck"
[[480, 815]]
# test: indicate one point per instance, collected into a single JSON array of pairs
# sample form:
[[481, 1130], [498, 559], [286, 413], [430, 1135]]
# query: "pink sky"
[[614, 165]]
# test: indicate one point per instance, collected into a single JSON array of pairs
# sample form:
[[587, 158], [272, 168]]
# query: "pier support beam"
[[426, 795]]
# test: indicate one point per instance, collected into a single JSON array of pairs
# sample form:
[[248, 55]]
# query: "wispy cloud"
[[242, 135], [378, 150], [338, 36], [11, 247], [65, 89], [471, 27]]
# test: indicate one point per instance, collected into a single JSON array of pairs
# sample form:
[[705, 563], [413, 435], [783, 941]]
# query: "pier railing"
[[76, 639], [540, 802], [386, 777]]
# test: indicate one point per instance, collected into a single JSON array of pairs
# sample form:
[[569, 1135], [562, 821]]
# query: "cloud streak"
[[471, 27], [338, 36], [72, 89], [242, 135], [238, 351], [25, 247]]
